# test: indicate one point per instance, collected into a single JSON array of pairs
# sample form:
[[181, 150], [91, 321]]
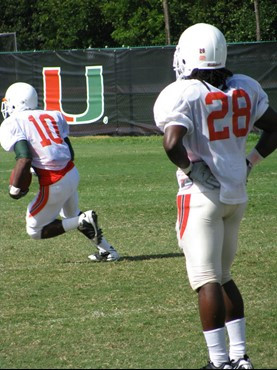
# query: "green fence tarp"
[[112, 91]]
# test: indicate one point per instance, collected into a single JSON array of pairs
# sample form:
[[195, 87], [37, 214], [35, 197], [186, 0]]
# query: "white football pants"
[[207, 232], [58, 199]]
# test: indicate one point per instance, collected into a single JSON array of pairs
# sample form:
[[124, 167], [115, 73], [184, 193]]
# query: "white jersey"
[[218, 123], [44, 131]]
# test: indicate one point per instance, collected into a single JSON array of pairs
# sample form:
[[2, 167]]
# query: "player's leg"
[[211, 308], [236, 326], [202, 239], [234, 305], [87, 224], [90, 228], [233, 299], [61, 199], [70, 217], [43, 211]]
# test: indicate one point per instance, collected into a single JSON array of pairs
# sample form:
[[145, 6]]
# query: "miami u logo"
[[95, 94]]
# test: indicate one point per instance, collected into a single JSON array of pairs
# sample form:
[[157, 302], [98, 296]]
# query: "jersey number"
[[46, 120], [237, 112]]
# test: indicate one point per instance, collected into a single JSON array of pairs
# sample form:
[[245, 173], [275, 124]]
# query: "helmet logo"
[[201, 52], [214, 64]]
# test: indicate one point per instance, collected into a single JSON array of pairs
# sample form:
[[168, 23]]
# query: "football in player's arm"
[[40, 140]]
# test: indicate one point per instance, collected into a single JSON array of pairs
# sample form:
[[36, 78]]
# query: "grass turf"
[[59, 310]]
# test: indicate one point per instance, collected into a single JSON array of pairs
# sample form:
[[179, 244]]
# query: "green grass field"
[[59, 310]]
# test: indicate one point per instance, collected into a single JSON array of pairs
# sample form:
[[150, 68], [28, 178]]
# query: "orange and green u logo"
[[95, 94]]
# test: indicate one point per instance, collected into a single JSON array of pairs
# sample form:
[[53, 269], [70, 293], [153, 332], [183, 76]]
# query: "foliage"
[[16, 16], [236, 18], [67, 24], [70, 23], [136, 22], [56, 24]]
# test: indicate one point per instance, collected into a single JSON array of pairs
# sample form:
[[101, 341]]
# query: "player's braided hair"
[[215, 77]]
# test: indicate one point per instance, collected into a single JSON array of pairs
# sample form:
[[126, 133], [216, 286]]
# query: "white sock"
[[237, 341], [216, 343], [70, 223], [104, 246]]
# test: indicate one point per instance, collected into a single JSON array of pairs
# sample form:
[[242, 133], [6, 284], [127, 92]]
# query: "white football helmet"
[[200, 46], [20, 96]]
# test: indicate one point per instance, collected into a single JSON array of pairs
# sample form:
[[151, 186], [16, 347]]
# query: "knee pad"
[[198, 278]]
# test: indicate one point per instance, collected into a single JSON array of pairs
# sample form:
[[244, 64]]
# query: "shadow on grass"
[[137, 258], [151, 257]]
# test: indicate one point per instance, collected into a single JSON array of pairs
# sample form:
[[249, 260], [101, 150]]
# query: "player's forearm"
[[178, 156], [70, 148], [268, 140], [267, 143], [21, 168], [174, 148]]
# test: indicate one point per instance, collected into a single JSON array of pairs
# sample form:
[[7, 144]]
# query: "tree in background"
[[257, 15], [167, 22], [56, 24], [237, 19], [80, 24], [136, 22], [68, 24]]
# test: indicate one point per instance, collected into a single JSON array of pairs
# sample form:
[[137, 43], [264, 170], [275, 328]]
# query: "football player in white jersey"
[[40, 141], [206, 116]]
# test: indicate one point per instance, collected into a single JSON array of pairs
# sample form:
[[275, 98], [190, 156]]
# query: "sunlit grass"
[[59, 310]]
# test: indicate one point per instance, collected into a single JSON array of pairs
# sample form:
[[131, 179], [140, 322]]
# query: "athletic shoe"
[[242, 363], [224, 365], [109, 256], [89, 227]]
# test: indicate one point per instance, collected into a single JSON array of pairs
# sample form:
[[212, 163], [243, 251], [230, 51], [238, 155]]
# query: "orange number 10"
[[45, 120]]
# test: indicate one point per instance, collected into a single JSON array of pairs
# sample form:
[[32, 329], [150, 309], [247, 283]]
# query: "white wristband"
[[14, 190], [187, 169], [254, 157]]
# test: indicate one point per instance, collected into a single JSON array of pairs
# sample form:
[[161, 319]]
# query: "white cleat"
[[242, 363], [109, 256]]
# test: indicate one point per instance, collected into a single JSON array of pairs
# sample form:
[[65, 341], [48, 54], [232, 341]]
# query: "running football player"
[[40, 141]]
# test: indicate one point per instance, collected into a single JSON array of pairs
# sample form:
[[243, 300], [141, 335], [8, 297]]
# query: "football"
[[24, 180]]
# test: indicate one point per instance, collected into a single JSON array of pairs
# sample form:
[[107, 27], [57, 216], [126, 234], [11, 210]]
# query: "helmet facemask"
[[5, 110]]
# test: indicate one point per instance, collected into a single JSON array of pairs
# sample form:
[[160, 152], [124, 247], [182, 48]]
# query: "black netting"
[[131, 81]]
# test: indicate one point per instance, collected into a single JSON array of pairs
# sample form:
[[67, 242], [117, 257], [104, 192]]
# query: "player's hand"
[[17, 193], [33, 172], [201, 172], [249, 167]]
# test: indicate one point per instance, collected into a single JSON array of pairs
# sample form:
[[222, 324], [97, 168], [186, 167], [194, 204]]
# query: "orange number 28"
[[237, 112]]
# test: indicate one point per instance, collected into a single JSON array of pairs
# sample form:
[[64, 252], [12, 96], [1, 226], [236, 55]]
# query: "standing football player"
[[206, 116], [40, 141]]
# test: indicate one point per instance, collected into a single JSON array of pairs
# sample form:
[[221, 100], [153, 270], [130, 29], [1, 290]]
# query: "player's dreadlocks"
[[215, 77]]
